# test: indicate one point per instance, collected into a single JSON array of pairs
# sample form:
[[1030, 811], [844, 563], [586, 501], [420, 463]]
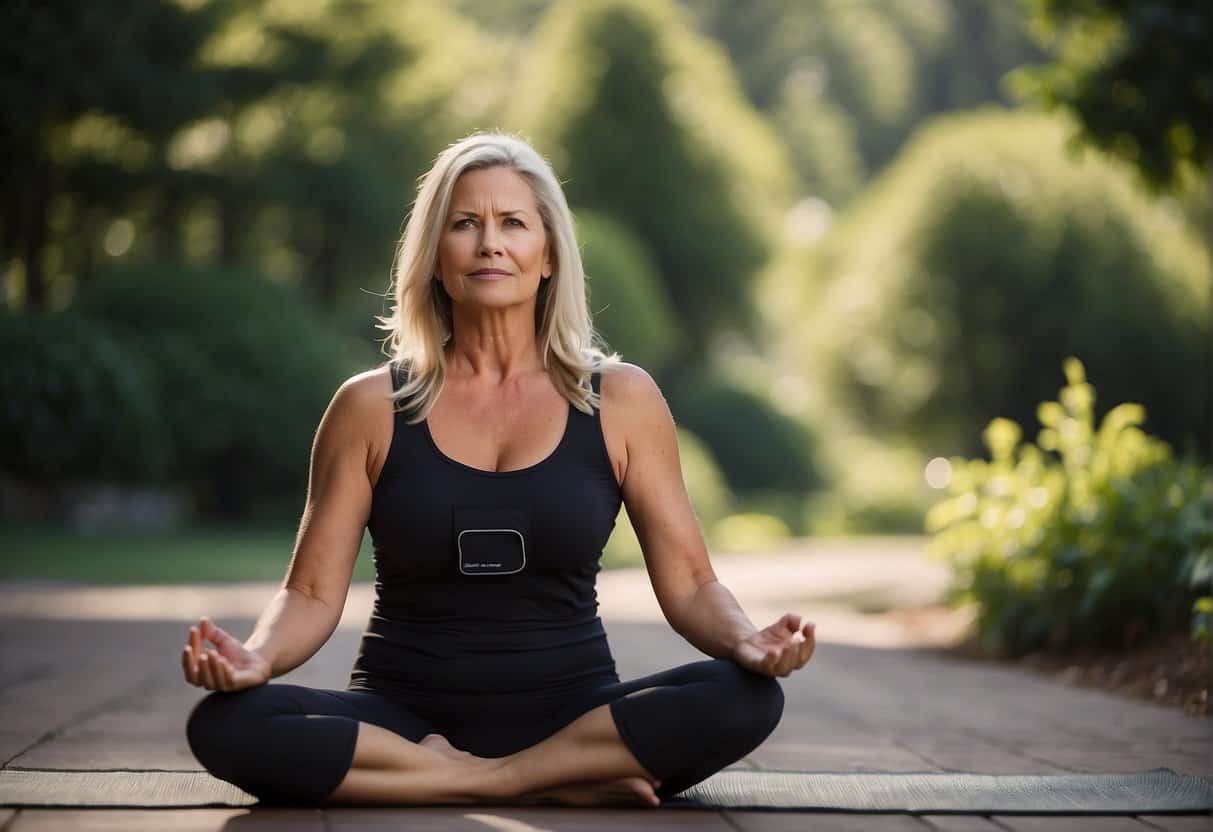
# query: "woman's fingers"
[[205, 666], [213, 632], [809, 645], [204, 672], [212, 661], [187, 665], [787, 661], [189, 658], [225, 673]]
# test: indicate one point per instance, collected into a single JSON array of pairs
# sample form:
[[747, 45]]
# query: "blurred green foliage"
[[749, 531], [1138, 74], [845, 83], [1202, 616], [219, 554], [646, 121], [241, 370], [1088, 538], [961, 274], [876, 488], [628, 299], [281, 136], [278, 144], [758, 448], [77, 403]]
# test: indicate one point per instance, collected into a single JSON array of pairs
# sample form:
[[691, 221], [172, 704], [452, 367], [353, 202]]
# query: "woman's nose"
[[488, 239]]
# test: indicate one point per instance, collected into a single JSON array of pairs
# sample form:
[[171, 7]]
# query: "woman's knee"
[[221, 724], [755, 701]]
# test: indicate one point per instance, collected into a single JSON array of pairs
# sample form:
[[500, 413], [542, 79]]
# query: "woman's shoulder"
[[628, 387], [370, 384], [366, 394]]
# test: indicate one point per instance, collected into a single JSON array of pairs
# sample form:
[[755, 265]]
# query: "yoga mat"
[[1157, 791]]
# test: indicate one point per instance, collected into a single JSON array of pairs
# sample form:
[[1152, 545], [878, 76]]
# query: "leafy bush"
[[1087, 538], [242, 370], [877, 488], [958, 275], [758, 448], [78, 404], [627, 297], [749, 531]]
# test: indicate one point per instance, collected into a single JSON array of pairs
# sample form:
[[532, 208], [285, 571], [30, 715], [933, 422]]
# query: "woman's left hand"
[[779, 649]]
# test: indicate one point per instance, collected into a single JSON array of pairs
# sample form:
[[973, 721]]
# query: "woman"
[[489, 459]]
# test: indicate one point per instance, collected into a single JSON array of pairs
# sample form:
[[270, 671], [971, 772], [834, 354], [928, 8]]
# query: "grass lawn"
[[182, 556]]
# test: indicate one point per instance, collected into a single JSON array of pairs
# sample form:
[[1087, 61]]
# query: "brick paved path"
[[89, 679]]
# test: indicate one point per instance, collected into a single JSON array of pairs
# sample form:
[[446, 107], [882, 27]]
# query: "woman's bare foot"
[[627, 791], [442, 745]]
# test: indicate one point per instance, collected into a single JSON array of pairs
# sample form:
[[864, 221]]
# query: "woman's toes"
[[643, 789]]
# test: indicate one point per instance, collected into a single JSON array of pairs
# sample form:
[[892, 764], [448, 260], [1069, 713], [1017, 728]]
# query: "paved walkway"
[[89, 679]]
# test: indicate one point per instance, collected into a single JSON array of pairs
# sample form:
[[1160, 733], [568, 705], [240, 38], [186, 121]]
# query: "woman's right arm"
[[306, 610]]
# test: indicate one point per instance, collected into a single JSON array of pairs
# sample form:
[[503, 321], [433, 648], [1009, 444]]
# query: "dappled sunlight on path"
[[857, 591]]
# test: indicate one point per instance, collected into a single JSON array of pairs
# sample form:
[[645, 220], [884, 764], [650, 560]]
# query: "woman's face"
[[493, 250]]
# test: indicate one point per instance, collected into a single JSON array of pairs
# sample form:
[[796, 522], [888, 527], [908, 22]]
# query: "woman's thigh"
[[687, 722], [276, 700], [290, 742]]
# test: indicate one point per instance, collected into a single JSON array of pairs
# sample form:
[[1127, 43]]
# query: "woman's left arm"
[[700, 608]]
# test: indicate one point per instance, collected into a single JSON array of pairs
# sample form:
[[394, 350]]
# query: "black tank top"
[[485, 579]]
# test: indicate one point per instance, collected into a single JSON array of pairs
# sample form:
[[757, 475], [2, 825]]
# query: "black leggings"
[[290, 744]]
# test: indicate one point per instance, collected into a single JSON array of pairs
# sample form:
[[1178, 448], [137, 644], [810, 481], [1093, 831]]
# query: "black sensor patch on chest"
[[490, 541]]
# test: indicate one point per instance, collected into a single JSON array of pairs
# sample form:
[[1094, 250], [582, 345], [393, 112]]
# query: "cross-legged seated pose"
[[489, 458]]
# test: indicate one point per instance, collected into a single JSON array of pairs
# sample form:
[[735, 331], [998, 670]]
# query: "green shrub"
[[877, 488], [749, 531], [1088, 538], [627, 297], [242, 370], [958, 274], [78, 405], [758, 448]]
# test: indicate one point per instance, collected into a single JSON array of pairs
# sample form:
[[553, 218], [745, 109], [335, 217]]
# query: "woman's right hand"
[[228, 666]]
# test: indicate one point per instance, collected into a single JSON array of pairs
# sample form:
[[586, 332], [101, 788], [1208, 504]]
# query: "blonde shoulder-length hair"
[[420, 323]]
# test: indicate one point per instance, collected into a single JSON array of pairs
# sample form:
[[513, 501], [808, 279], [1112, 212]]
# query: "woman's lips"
[[489, 274]]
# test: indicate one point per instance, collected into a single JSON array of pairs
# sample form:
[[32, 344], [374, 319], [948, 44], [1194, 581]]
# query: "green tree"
[[644, 120], [958, 276], [282, 137], [627, 298], [1138, 74], [92, 94], [845, 83]]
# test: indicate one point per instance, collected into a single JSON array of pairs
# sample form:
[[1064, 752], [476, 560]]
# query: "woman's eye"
[[460, 223]]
